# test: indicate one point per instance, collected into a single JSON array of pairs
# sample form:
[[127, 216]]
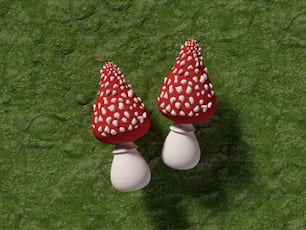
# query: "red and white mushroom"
[[186, 97], [119, 117]]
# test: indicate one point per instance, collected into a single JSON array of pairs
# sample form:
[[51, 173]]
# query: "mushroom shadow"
[[224, 165]]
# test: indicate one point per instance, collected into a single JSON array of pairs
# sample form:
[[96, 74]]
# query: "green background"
[[55, 175]]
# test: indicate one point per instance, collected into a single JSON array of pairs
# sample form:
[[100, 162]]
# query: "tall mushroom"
[[119, 117], [186, 97]]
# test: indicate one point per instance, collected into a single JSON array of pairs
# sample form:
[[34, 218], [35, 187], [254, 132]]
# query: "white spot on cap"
[[197, 87], [170, 89], [130, 128], [124, 120], [94, 106], [162, 105], [126, 113], [121, 106], [100, 119], [123, 95], [202, 79], [206, 86], [191, 100], [211, 86], [103, 134], [99, 105], [174, 71], [108, 120], [130, 93], [93, 126], [187, 105], [117, 115], [122, 130], [195, 79], [209, 105], [183, 82], [136, 113], [206, 70], [111, 108], [189, 90], [181, 98], [187, 74], [175, 79], [172, 99], [212, 93], [103, 111], [204, 107], [182, 63], [182, 113], [169, 81], [179, 89], [190, 114], [178, 105], [141, 119], [196, 109], [115, 123], [134, 121], [105, 101], [181, 72], [100, 129], [201, 102], [209, 95], [189, 58], [144, 115], [202, 92], [113, 132], [113, 100], [106, 129], [166, 95], [168, 108], [196, 70], [190, 67], [173, 113]]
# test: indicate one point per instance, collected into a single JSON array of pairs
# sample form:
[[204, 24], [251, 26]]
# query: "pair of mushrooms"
[[119, 117]]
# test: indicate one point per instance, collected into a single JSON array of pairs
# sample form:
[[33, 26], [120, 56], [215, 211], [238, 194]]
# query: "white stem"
[[129, 171], [181, 149]]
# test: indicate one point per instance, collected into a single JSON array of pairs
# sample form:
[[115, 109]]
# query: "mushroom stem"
[[129, 171], [181, 149]]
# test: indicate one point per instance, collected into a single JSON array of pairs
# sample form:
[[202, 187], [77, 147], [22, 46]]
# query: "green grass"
[[55, 175]]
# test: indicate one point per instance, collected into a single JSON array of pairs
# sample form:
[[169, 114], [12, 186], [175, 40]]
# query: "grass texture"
[[55, 175]]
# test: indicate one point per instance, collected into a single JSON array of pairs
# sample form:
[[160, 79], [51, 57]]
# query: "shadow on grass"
[[224, 165]]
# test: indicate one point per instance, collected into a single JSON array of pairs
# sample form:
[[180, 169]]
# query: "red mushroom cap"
[[187, 95], [118, 114]]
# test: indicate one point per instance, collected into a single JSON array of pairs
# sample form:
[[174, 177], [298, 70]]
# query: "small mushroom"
[[119, 117], [186, 97]]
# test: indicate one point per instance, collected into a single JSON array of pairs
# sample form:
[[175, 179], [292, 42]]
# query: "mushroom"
[[119, 118], [186, 97]]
